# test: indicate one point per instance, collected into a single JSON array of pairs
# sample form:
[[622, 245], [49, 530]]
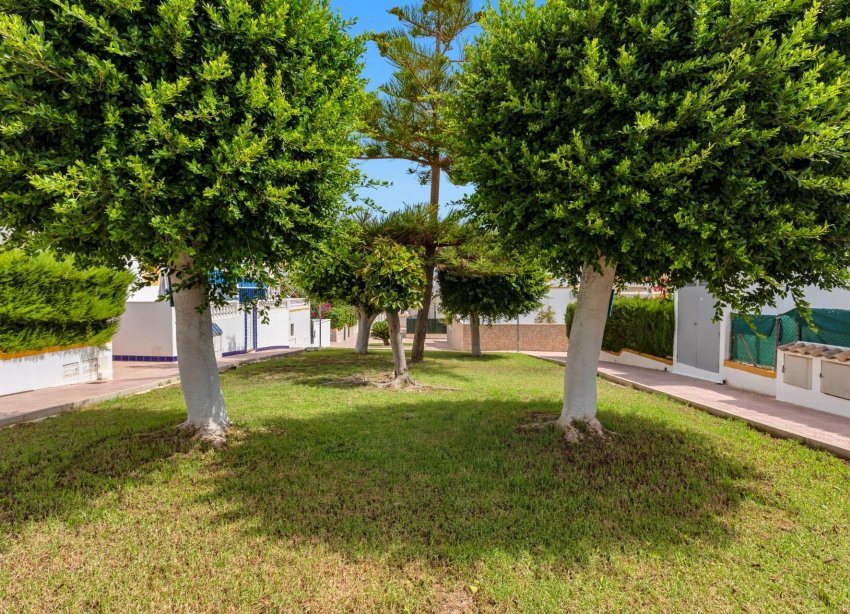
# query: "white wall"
[[299, 321], [323, 340], [275, 334], [558, 298], [813, 398], [745, 380], [73, 366], [634, 359], [146, 329], [232, 324], [821, 299]]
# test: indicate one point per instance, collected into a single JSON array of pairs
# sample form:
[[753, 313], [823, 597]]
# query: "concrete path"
[[814, 428], [435, 341], [128, 378]]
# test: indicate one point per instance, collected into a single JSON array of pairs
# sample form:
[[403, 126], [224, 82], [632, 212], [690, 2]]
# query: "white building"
[[814, 375], [148, 328]]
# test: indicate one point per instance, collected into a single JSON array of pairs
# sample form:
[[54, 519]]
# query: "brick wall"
[[503, 337]]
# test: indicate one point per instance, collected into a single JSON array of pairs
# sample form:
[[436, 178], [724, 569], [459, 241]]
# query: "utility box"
[[797, 371], [835, 379]]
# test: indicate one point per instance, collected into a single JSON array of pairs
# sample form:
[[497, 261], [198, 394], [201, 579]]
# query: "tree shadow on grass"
[[57, 468], [451, 482], [335, 369]]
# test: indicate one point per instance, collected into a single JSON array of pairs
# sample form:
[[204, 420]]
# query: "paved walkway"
[[128, 378], [436, 342], [814, 428]]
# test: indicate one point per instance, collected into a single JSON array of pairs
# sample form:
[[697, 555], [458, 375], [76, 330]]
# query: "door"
[[697, 336]]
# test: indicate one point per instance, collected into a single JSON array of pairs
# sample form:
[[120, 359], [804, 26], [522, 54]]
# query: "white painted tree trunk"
[[475, 334], [585, 344], [401, 376], [207, 416], [364, 327]]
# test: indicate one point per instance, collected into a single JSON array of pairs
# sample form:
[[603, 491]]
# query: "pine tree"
[[407, 120]]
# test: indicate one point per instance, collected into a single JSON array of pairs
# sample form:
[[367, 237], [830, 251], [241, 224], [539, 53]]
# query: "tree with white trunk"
[[208, 141], [635, 141], [394, 281], [333, 272], [361, 266]]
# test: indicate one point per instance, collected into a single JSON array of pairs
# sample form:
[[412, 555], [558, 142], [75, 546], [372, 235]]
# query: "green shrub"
[[641, 324], [341, 316], [381, 330], [46, 302]]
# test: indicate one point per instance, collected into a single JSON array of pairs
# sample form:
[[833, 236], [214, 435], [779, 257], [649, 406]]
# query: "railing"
[[226, 311]]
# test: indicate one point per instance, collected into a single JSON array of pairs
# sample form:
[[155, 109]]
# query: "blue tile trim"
[[126, 358], [273, 347], [234, 353]]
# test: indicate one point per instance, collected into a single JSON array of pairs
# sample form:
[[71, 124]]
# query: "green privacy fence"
[[432, 326], [755, 342]]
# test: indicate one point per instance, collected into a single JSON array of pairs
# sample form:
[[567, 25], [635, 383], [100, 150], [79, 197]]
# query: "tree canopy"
[[490, 285], [220, 131], [701, 140]]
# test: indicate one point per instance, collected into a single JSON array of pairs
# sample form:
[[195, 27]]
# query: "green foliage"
[[492, 296], [381, 330], [405, 119], [341, 316], [478, 277], [332, 272], [218, 131], [46, 302], [640, 324], [393, 277], [545, 315], [358, 265], [702, 140]]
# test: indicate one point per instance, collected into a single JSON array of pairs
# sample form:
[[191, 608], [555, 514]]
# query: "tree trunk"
[[475, 334], [586, 334], [418, 352], [400, 373], [207, 415], [364, 327], [435, 191]]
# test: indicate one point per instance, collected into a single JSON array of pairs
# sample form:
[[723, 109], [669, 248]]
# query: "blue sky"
[[372, 15]]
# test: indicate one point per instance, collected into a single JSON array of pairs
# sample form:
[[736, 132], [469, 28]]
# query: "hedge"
[[46, 302], [641, 324]]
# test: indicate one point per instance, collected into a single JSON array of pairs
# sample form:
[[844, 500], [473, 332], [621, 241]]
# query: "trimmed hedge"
[[46, 302], [641, 324]]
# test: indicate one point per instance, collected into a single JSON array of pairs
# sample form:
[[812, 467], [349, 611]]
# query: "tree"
[[394, 282], [630, 141], [406, 120], [361, 266], [416, 227], [332, 272], [193, 138], [488, 285]]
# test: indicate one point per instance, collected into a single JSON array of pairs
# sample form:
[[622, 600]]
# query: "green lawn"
[[338, 498]]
